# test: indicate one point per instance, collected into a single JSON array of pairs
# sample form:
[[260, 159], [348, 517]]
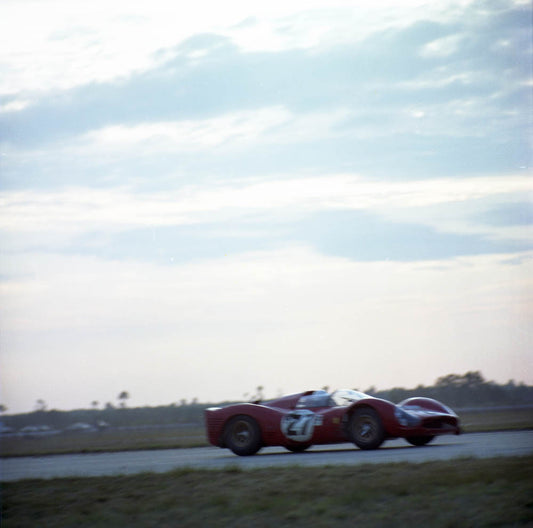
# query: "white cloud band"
[[85, 209]]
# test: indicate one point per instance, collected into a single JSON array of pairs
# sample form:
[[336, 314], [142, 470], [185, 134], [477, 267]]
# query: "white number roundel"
[[298, 425]]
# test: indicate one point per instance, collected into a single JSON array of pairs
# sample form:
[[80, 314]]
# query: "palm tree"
[[123, 397], [260, 395], [40, 405]]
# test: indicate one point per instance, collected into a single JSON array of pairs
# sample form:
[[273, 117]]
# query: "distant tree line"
[[455, 390], [464, 390]]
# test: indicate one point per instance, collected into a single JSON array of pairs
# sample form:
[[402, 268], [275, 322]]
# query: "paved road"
[[482, 445]]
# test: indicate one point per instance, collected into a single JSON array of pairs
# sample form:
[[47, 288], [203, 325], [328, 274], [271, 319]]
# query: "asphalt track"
[[480, 445]]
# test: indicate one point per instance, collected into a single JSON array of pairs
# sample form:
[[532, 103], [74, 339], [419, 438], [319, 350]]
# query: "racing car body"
[[317, 417]]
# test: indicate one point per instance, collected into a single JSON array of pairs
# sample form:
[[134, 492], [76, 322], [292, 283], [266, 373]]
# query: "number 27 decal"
[[299, 425]]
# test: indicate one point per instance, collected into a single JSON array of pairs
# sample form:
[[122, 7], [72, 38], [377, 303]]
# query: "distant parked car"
[[5, 430], [80, 427], [316, 417], [37, 430]]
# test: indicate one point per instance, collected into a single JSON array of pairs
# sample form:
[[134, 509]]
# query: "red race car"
[[317, 417]]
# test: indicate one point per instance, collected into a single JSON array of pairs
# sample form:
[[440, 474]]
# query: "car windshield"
[[319, 398], [345, 397]]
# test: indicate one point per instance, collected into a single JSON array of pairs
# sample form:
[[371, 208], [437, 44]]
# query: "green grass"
[[105, 441], [124, 440], [466, 493], [482, 421]]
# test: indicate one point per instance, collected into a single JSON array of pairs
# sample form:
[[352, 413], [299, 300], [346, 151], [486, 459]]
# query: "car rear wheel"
[[243, 436], [366, 429], [298, 448], [419, 440]]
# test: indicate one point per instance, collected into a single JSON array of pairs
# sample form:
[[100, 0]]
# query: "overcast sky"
[[200, 198]]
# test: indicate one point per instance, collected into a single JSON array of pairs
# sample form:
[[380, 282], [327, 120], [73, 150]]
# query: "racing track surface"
[[482, 445]]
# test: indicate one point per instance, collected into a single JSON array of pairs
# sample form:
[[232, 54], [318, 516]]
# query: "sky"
[[200, 199]]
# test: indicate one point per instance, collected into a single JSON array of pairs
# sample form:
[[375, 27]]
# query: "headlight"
[[406, 419]]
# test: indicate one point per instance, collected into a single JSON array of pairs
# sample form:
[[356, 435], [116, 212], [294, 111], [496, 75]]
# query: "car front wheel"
[[366, 429], [243, 436]]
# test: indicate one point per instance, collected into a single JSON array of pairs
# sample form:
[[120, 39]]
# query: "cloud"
[[237, 128], [70, 45], [62, 46], [445, 205], [411, 132], [442, 47], [374, 105], [14, 105]]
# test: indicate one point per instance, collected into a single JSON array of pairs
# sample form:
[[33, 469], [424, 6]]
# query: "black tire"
[[298, 448], [366, 428], [419, 440], [243, 436]]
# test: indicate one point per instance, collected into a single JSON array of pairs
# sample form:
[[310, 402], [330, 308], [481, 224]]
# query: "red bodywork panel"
[[281, 423]]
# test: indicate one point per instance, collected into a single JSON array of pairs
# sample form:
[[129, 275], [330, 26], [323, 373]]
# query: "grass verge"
[[466, 493], [497, 420], [104, 441]]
